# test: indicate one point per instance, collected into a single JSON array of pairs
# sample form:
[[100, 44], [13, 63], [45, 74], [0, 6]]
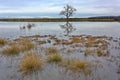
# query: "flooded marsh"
[[45, 52]]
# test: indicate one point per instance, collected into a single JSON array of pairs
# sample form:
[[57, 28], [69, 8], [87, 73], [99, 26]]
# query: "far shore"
[[58, 20]]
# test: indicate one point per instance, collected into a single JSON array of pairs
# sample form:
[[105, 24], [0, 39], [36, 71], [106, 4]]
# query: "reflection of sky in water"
[[11, 29]]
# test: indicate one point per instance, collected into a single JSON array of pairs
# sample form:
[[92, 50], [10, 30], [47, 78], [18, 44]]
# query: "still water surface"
[[12, 29]]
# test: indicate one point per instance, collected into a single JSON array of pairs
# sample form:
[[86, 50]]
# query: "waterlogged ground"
[[83, 57], [75, 57]]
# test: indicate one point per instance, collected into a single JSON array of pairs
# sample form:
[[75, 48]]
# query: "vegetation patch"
[[12, 50], [30, 63], [2, 42], [54, 58], [51, 50]]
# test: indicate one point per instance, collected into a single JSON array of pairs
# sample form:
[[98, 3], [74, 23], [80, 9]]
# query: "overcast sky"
[[51, 8]]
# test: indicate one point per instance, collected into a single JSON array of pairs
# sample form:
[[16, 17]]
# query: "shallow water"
[[106, 70], [12, 29]]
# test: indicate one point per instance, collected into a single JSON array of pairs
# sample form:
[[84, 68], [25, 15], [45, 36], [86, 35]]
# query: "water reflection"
[[68, 28]]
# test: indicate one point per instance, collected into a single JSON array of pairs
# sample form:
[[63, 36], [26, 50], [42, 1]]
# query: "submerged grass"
[[30, 63]]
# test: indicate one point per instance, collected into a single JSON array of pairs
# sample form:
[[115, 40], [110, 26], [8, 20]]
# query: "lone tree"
[[68, 11]]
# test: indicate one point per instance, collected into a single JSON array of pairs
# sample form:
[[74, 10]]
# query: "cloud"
[[100, 7]]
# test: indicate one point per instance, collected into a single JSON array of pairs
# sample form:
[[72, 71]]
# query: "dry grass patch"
[[79, 65], [25, 44], [51, 50], [77, 39], [2, 42], [42, 42], [76, 65], [88, 52], [30, 63], [54, 58], [99, 53], [12, 50]]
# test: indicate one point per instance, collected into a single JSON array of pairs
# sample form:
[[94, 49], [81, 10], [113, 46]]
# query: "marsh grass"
[[30, 63], [99, 53], [118, 71], [42, 42], [2, 41], [88, 52], [79, 65], [25, 44], [11, 51], [77, 39], [54, 58], [75, 64], [51, 50]]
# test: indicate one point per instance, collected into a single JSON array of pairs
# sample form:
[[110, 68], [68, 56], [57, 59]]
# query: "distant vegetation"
[[92, 19]]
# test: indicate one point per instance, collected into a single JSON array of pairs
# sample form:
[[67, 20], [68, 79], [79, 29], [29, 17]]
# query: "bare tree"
[[68, 11]]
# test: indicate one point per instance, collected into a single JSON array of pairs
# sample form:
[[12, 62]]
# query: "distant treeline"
[[59, 19]]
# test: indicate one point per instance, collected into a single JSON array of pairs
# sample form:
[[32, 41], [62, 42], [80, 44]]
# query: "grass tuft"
[[52, 50], [79, 65], [54, 58], [2, 42], [25, 44], [12, 50], [30, 63]]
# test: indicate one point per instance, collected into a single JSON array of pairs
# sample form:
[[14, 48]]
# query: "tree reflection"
[[68, 28]]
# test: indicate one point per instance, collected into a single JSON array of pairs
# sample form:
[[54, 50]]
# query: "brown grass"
[[75, 64], [99, 53], [77, 40], [42, 42], [25, 44], [12, 50], [51, 50], [30, 63], [2, 42], [79, 65], [88, 52], [54, 58]]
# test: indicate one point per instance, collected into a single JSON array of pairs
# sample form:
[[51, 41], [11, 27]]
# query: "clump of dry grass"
[[42, 42], [99, 53], [30, 63], [52, 50], [79, 65], [77, 39], [118, 71], [25, 44], [11, 51], [2, 42], [54, 58], [89, 44], [75, 64], [88, 51]]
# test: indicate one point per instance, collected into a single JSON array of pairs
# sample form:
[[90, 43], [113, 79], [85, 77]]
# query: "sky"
[[52, 8]]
